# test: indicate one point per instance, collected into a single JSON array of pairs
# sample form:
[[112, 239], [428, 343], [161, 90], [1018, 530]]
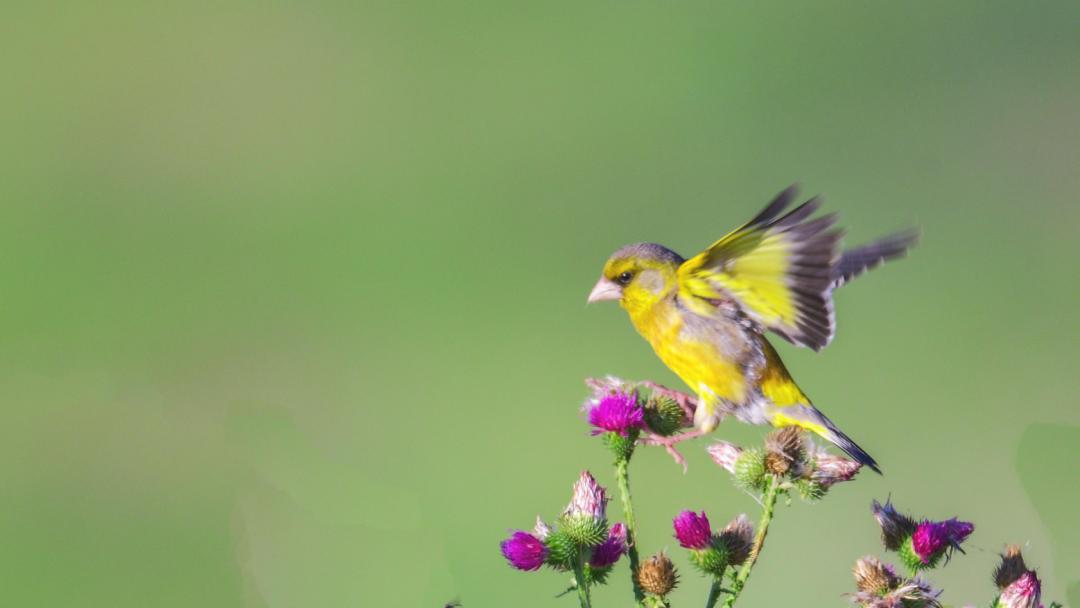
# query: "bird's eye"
[[624, 278]]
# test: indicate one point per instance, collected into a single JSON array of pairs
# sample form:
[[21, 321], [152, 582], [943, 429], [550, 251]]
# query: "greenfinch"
[[706, 317]]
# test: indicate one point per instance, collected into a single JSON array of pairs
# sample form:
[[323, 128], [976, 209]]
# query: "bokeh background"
[[292, 304]]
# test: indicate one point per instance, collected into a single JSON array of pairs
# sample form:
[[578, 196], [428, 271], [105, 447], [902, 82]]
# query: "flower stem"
[[579, 578], [714, 591], [623, 476], [772, 492]]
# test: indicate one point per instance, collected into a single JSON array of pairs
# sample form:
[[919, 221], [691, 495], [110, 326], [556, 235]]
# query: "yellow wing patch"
[[778, 270]]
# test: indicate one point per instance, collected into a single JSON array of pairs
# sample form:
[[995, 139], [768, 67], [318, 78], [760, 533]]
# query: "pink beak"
[[604, 290]]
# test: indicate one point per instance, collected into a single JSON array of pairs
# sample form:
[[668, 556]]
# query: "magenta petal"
[[524, 551], [692, 530], [616, 413]]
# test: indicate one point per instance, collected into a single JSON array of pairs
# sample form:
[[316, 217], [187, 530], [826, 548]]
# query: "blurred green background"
[[293, 293]]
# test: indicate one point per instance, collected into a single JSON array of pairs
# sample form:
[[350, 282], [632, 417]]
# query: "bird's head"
[[637, 276]]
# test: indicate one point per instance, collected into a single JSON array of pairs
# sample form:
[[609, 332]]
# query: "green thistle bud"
[[712, 560], [663, 415], [596, 576], [750, 469], [810, 491], [585, 531], [562, 550], [911, 559], [622, 447]]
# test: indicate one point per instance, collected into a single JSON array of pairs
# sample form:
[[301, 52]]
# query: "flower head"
[[1024, 592], [725, 454], [784, 450], [932, 539], [738, 537], [830, 469], [589, 500], [896, 528], [1012, 567], [616, 412], [608, 552], [874, 577], [692, 530], [524, 551], [657, 575]]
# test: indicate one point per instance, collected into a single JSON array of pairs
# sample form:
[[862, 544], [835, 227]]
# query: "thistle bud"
[[1024, 592], [738, 538], [1011, 568], [585, 518], [524, 551], [663, 415], [750, 469], [874, 577], [657, 575], [896, 528], [725, 454]]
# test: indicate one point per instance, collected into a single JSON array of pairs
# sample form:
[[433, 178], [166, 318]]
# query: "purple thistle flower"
[[608, 552], [725, 454], [589, 500], [692, 530], [524, 551], [895, 527], [932, 538], [616, 412], [1024, 592]]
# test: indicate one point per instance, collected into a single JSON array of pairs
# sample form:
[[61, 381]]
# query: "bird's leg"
[[671, 441], [687, 402]]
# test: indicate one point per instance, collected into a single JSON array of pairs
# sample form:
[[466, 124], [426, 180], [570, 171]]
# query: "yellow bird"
[[706, 317]]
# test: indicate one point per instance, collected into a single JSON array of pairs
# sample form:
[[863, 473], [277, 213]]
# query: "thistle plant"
[[625, 415], [921, 545], [581, 541]]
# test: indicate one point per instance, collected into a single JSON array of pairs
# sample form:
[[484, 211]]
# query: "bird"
[[706, 317]]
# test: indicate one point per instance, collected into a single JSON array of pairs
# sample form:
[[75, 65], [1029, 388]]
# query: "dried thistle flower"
[[585, 518], [912, 593], [738, 537], [1011, 568], [1024, 592], [541, 530], [785, 449], [725, 454], [896, 528], [658, 575], [830, 469], [874, 577]]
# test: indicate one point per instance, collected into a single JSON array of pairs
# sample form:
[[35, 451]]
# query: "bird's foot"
[[671, 441]]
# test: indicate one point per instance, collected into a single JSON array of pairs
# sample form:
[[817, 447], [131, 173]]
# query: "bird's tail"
[[811, 419], [854, 262]]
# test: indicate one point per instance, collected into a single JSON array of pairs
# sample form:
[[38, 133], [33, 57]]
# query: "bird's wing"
[[778, 269]]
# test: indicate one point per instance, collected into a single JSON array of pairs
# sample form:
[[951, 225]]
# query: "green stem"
[[772, 492], [623, 476], [714, 591], [579, 578]]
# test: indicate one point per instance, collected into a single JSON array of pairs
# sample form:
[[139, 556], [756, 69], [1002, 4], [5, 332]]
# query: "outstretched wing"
[[778, 269]]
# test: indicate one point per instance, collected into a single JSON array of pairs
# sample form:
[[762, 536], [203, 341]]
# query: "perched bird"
[[706, 317]]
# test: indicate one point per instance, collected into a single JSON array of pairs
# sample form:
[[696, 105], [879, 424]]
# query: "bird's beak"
[[604, 290]]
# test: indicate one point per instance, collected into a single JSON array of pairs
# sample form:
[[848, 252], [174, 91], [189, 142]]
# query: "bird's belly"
[[704, 368]]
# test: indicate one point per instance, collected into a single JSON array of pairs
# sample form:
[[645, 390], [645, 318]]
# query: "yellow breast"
[[701, 364]]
